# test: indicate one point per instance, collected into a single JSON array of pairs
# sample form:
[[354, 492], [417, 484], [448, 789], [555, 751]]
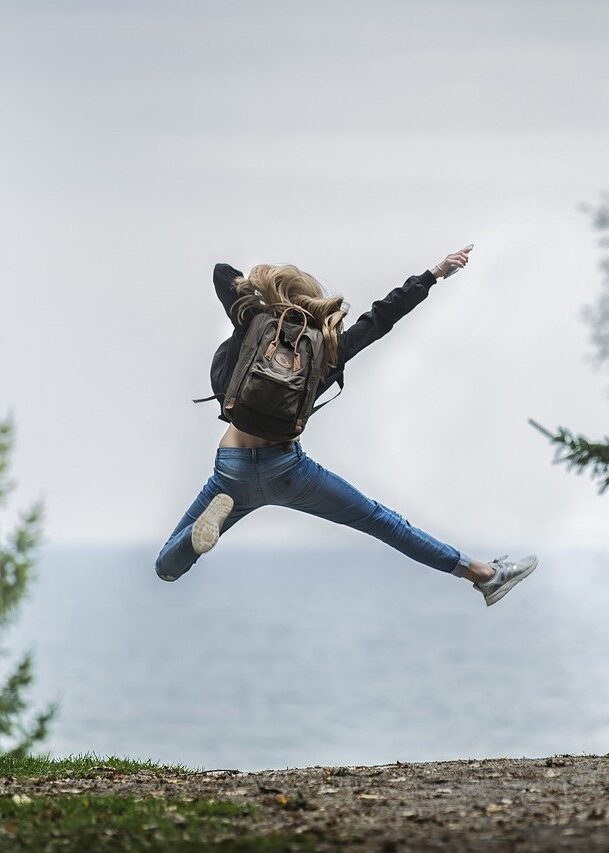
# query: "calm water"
[[273, 658]]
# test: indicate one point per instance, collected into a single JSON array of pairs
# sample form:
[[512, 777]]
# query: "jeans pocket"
[[288, 486], [230, 481]]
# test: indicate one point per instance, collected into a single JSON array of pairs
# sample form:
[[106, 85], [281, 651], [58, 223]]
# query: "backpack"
[[272, 389]]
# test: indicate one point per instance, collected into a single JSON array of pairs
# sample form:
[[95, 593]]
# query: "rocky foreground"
[[549, 804]]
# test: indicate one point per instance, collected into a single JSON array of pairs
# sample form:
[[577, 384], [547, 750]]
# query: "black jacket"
[[368, 328]]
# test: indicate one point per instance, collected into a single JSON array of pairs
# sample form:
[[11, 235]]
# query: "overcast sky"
[[144, 142]]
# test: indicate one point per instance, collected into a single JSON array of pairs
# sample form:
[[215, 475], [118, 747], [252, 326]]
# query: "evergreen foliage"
[[597, 315], [577, 451], [19, 730], [580, 453]]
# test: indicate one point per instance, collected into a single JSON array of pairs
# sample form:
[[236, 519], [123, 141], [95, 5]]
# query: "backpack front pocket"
[[273, 393]]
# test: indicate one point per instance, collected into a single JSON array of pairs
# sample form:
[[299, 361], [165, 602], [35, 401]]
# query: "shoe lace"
[[497, 562]]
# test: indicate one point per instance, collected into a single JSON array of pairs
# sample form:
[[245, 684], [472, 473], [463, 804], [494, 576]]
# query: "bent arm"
[[383, 315], [226, 291]]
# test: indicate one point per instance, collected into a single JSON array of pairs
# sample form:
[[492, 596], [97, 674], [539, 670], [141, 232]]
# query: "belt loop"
[[253, 456]]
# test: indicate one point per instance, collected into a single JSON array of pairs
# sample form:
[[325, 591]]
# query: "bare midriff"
[[234, 437]]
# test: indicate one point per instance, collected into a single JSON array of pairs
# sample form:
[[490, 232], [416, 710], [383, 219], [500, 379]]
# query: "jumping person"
[[251, 471]]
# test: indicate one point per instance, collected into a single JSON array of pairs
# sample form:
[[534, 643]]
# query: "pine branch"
[[12, 702], [580, 453], [22, 736], [597, 315], [17, 558], [7, 432], [36, 732]]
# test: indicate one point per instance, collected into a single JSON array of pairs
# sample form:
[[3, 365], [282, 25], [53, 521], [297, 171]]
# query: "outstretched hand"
[[458, 259]]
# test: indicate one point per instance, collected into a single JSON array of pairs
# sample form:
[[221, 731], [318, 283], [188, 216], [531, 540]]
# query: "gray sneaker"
[[507, 574], [206, 529]]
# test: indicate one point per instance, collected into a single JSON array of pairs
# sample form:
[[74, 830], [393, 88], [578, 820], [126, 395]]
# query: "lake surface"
[[271, 657]]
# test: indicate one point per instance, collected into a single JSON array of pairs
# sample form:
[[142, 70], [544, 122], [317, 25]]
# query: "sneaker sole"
[[206, 529], [508, 585]]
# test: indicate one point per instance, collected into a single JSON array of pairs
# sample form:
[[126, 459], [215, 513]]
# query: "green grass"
[[109, 823], [77, 766], [102, 822]]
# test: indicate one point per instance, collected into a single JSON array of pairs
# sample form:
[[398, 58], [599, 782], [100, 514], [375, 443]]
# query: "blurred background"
[[144, 142]]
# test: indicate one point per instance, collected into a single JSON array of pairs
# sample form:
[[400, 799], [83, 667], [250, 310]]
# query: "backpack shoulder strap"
[[340, 380], [205, 399]]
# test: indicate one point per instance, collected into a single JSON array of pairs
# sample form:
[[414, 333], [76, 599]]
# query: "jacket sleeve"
[[226, 291], [224, 283], [384, 313]]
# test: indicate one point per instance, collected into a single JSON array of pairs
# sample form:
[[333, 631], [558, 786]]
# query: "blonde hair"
[[267, 284]]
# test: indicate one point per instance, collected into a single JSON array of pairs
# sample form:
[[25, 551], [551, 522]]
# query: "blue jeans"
[[283, 475]]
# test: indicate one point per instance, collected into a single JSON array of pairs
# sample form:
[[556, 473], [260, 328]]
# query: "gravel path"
[[549, 804]]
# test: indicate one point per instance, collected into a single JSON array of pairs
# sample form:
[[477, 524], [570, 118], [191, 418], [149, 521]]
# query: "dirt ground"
[[549, 804]]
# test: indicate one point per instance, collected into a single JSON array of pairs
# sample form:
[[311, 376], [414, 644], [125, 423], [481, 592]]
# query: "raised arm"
[[384, 313]]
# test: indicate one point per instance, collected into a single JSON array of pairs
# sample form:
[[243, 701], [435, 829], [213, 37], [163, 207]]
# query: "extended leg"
[[333, 498]]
